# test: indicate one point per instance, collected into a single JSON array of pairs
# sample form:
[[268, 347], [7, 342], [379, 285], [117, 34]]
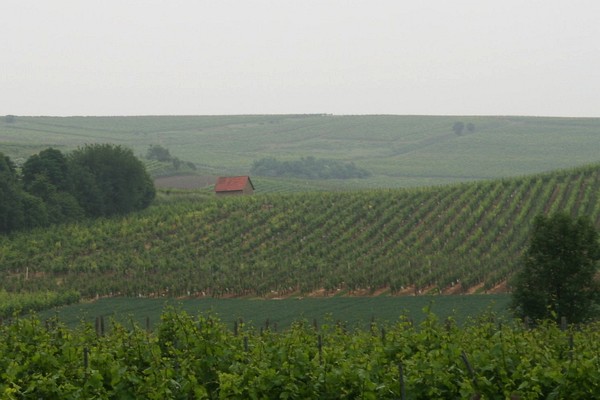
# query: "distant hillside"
[[455, 239], [399, 151]]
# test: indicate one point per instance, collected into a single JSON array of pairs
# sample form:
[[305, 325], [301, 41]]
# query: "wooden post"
[[320, 347], [571, 346], [401, 380], [471, 371], [86, 352]]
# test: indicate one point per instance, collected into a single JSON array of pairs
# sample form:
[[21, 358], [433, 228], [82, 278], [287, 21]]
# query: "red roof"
[[232, 183]]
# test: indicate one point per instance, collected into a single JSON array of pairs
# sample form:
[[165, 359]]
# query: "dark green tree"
[[157, 152], [109, 180], [46, 175], [558, 274], [18, 209], [50, 163]]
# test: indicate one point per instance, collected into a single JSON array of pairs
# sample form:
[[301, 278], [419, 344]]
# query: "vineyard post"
[[401, 380], [320, 347], [148, 324], [571, 346], [86, 352], [470, 369], [563, 323]]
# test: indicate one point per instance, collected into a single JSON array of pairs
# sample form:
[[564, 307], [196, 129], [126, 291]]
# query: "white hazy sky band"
[[510, 57]]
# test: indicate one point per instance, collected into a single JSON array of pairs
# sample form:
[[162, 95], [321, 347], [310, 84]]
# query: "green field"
[[462, 238], [400, 151], [352, 311]]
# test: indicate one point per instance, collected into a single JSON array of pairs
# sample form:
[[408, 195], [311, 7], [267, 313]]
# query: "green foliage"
[[353, 312], [559, 268], [97, 180], [197, 357], [49, 163], [460, 239], [12, 304], [308, 168], [157, 152], [18, 209], [109, 180]]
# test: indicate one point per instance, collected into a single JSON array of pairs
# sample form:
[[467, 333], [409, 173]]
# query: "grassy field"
[[400, 151], [353, 311]]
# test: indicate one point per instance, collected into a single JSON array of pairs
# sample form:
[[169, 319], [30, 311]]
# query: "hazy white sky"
[[125, 57]]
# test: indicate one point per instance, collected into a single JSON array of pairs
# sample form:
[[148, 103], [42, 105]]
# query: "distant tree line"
[[94, 181], [160, 153], [308, 168]]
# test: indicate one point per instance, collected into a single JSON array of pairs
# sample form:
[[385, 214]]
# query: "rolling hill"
[[459, 238], [399, 151]]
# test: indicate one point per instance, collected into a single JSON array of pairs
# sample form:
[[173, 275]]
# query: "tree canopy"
[[110, 180], [559, 268], [96, 180]]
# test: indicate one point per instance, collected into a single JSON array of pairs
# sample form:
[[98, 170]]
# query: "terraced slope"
[[457, 238]]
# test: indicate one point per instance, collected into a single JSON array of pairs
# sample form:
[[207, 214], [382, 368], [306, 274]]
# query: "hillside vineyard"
[[454, 239]]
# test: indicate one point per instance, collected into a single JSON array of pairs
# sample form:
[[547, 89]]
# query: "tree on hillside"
[[52, 164], [46, 175], [157, 152], [458, 127], [559, 268], [17, 209], [109, 180]]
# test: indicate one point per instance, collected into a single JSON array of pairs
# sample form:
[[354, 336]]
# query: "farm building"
[[233, 185]]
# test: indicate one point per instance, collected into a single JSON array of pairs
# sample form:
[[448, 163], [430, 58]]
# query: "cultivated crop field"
[[399, 151], [353, 312], [463, 238], [199, 357], [309, 288]]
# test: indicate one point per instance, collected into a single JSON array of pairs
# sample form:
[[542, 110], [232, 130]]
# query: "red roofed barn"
[[232, 185]]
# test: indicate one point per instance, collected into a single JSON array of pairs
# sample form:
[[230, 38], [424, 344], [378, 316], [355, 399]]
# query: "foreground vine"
[[198, 357]]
